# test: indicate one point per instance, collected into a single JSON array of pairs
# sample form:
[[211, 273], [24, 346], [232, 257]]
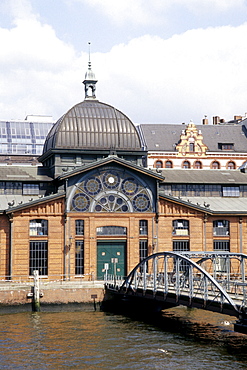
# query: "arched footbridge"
[[214, 281]]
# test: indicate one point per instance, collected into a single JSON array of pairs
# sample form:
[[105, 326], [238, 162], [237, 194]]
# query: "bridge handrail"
[[128, 280]]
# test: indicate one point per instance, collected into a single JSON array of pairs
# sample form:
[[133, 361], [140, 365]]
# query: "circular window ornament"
[[129, 186], [141, 202], [111, 179], [93, 185], [81, 202]]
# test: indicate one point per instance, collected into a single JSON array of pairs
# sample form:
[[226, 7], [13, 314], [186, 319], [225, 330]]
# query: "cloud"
[[151, 79], [149, 12]]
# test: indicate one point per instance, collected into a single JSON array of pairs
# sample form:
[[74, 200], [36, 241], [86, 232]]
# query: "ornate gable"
[[191, 142]]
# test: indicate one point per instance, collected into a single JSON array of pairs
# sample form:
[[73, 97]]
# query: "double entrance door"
[[111, 259]]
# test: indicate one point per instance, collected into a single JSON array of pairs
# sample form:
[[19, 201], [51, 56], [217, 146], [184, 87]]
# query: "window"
[[159, 164], [111, 230], [79, 257], [222, 245], [226, 146], [191, 147], [32, 189], [38, 227], [186, 164], [143, 227], [181, 245], [143, 252], [180, 227], [231, 166], [215, 165], [168, 164], [221, 227], [79, 227], [221, 262], [230, 191], [197, 165], [38, 257]]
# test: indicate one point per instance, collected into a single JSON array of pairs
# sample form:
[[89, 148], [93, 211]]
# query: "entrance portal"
[[111, 258]]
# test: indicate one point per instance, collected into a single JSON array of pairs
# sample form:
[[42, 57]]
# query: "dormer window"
[[226, 146]]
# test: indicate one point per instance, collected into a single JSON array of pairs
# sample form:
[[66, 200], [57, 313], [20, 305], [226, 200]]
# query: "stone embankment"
[[56, 292]]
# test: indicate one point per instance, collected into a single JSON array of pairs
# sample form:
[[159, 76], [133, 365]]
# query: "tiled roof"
[[165, 137]]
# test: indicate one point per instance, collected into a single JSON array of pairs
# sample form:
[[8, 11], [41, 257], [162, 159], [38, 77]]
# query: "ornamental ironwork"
[[111, 190]]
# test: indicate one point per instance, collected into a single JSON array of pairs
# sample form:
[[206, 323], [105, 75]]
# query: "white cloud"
[[146, 12], [151, 79]]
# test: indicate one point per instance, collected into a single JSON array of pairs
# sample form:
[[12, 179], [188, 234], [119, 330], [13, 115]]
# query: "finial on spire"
[[90, 80]]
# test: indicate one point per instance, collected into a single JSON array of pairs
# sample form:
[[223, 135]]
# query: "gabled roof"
[[30, 203], [165, 137], [108, 160]]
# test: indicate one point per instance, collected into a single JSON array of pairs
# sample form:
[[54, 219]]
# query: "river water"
[[77, 337]]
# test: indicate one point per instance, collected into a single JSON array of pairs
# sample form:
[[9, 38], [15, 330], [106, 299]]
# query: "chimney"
[[205, 120], [216, 120]]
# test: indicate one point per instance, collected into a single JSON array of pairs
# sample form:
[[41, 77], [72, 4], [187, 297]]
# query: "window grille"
[[79, 257], [79, 227], [38, 257], [181, 245]]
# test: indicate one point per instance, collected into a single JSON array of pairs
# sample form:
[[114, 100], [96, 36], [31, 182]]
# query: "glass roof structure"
[[23, 137]]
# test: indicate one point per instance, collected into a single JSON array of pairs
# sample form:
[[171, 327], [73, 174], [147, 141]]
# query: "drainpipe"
[[205, 231], [10, 267], [157, 217], [65, 232], [241, 234]]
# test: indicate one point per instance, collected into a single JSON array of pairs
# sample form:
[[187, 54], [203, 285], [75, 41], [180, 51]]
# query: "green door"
[[111, 257]]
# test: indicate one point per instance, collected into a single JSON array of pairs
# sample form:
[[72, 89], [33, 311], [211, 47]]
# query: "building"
[[93, 208], [217, 146]]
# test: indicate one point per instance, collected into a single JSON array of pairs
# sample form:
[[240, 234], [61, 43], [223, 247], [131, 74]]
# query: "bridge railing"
[[178, 273]]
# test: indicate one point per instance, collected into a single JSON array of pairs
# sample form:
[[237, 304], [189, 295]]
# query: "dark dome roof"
[[93, 125]]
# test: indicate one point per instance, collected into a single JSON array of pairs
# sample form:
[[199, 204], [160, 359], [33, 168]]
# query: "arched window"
[[215, 165], [186, 164], [221, 227], [38, 227], [231, 165], [180, 227], [159, 164], [168, 164], [198, 164], [191, 147]]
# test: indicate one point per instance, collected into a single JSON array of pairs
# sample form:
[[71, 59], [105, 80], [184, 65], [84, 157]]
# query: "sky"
[[158, 61]]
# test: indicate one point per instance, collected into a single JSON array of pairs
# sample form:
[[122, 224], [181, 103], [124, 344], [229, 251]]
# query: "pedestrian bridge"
[[214, 281]]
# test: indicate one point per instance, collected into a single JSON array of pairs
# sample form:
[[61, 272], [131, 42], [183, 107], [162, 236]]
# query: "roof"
[[110, 159], [165, 137], [226, 177], [93, 125], [212, 205], [24, 174]]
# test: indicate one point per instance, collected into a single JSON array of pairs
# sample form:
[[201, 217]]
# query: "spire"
[[90, 80]]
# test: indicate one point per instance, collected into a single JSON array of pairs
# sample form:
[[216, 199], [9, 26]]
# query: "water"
[[75, 337]]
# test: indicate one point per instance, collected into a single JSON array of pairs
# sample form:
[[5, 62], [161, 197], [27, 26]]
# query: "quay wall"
[[54, 293]]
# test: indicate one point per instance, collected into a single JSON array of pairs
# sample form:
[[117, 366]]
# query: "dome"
[[92, 125]]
